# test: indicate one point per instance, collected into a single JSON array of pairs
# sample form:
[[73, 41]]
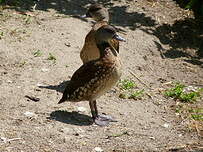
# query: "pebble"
[[177, 114], [153, 138], [44, 70], [98, 149], [39, 84], [9, 81], [190, 89], [3, 139], [29, 114], [81, 109], [67, 44], [166, 125]]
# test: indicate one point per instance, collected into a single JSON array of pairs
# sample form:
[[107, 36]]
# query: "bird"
[[97, 12], [96, 77], [101, 16], [35, 4]]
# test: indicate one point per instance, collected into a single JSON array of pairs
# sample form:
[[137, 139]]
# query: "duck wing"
[[81, 78]]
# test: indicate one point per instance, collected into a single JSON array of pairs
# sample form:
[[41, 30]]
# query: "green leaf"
[[127, 84], [37, 53], [51, 57]]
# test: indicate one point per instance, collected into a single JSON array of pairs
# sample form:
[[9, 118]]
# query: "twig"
[[14, 139], [141, 82], [139, 79], [197, 129], [35, 99], [8, 140]]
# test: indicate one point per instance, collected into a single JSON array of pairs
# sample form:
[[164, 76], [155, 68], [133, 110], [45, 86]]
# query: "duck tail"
[[65, 95], [62, 100]]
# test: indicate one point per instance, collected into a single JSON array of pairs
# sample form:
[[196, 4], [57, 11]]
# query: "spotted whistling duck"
[[96, 77], [90, 50]]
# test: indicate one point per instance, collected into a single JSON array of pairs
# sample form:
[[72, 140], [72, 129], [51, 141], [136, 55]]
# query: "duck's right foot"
[[103, 120]]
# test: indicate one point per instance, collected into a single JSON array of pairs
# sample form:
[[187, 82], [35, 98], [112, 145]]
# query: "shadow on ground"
[[119, 14], [182, 36], [73, 118], [195, 5], [59, 88]]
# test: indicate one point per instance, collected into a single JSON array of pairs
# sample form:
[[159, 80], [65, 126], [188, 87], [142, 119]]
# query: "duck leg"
[[93, 108], [101, 120]]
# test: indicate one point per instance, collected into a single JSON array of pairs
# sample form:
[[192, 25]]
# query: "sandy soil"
[[162, 46]]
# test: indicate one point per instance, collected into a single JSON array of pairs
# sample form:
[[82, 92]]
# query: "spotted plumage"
[[92, 77], [96, 77]]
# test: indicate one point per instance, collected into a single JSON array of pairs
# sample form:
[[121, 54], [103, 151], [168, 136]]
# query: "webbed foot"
[[103, 120]]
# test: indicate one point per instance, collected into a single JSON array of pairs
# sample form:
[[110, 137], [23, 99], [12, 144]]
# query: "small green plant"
[[28, 19], [198, 117], [1, 34], [123, 95], [187, 97], [129, 90], [37, 53], [178, 92], [51, 57], [22, 63], [197, 114], [137, 94], [127, 84], [186, 111]]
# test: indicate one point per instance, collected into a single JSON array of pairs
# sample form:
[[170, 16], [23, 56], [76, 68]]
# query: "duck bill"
[[119, 38], [86, 15]]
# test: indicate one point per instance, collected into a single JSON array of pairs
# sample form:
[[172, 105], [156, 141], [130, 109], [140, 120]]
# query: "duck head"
[[97, 12], [104, 35]]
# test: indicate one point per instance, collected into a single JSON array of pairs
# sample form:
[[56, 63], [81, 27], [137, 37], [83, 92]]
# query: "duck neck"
[[104, 19], [104, 51]]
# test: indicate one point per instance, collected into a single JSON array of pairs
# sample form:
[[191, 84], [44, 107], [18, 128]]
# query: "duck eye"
[[110, 31]]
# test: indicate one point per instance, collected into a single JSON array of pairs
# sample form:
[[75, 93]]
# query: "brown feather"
[[94, 78], [90, 50]]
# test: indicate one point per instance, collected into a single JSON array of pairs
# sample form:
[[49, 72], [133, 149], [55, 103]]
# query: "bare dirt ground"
[[163, 45]]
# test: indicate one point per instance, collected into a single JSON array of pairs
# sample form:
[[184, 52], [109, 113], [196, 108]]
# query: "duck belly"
[[107, 81]]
